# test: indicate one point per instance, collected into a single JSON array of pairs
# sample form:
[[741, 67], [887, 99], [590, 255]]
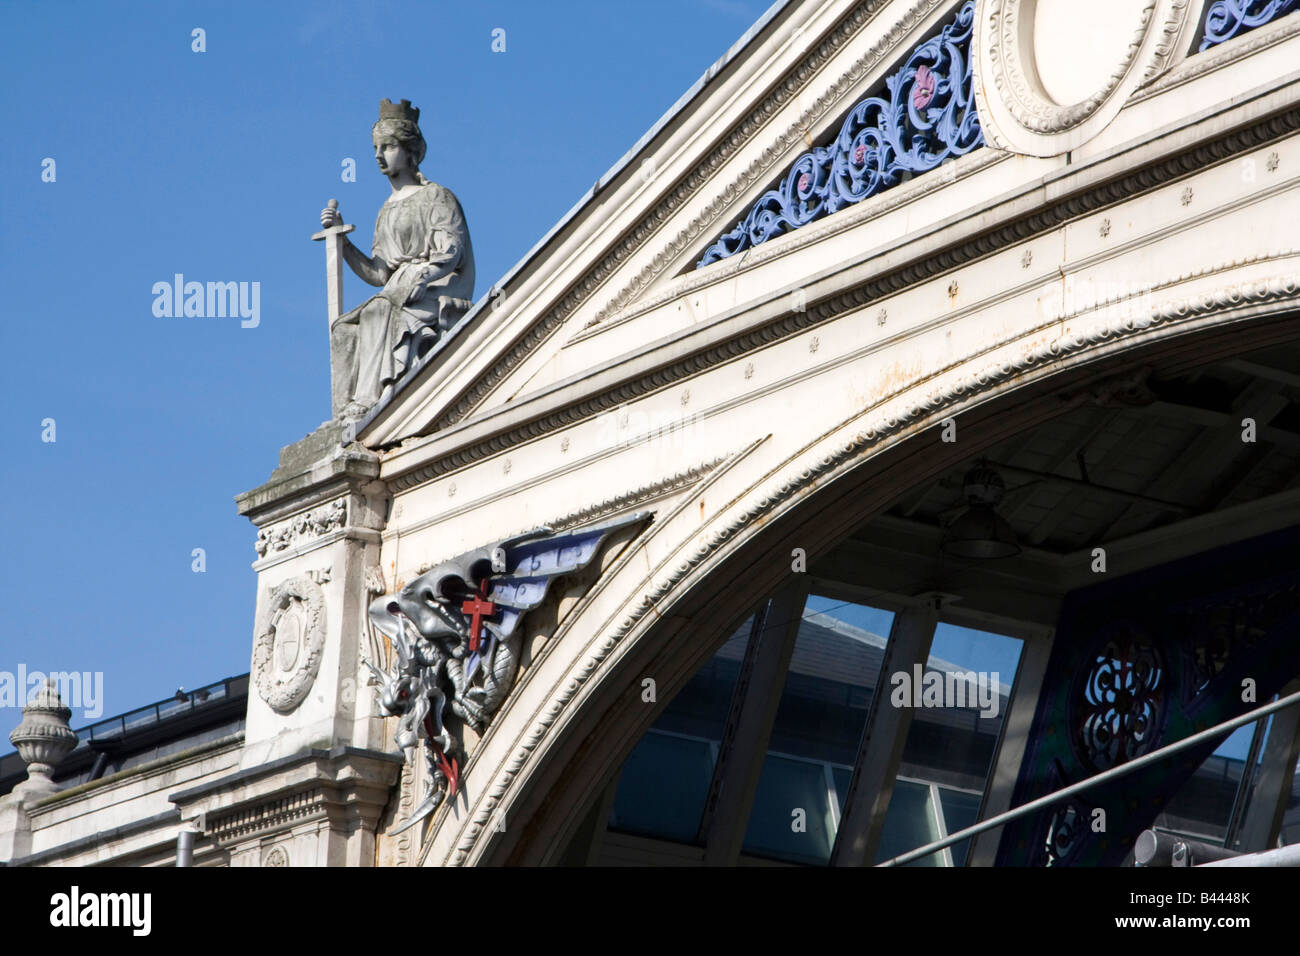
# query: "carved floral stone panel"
[[302, 527]]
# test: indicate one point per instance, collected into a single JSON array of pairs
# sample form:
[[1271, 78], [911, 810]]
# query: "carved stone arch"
[[562, 755]]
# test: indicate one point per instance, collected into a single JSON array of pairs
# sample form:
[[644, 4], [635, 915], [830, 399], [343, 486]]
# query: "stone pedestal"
[[15, 828], [42, 739]]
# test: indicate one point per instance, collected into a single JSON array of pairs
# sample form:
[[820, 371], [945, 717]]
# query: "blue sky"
[[216, 165]]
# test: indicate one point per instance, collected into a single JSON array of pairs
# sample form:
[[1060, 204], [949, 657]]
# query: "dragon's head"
[[432, 603], [397, 696]]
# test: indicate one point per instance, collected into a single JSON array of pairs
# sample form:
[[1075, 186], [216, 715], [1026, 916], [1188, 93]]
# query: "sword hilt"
[[338, 230]]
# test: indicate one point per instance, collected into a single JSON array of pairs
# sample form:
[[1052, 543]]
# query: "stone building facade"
[[920, 338]]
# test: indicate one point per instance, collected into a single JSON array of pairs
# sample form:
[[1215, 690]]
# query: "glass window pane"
[[909, 823], [791, 818], [842, 776], [138, 718], [824, 699], [960, 699], [1202, 807], [960, 810], [645, 805], [1291, 815], [665, 780], [1252, 785]]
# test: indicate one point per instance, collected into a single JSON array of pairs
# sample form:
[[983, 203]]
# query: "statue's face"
[[391, 156]]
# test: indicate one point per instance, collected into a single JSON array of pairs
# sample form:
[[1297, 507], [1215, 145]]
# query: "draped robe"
[[423, 236]]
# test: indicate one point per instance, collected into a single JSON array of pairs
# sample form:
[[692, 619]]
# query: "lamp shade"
[[980, 532]]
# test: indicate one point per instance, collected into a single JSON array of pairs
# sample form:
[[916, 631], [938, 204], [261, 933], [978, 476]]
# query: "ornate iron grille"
[[924, 116]]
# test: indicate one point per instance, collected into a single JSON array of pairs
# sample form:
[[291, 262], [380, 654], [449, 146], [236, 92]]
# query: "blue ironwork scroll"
[[1229, 18], [926, 116]]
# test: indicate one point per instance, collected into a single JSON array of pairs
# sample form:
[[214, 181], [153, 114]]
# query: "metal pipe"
[[185, 847], [1092, 486], [101, 761], [1106, 775], [1155, 848], [1283, 856]]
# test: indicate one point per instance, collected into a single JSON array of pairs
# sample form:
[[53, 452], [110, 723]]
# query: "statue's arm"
[[371, 269]]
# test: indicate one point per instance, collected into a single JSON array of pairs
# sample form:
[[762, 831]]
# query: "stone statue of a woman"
[[422, 258]]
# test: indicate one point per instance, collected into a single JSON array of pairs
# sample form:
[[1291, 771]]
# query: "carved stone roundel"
[[276, 856], [290, 641], [1051, 74]]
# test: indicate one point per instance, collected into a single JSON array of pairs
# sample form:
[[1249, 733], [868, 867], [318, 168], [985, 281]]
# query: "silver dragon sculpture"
[[456, 641]]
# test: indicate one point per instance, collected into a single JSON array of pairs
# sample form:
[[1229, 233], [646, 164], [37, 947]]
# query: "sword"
[[333, 237]]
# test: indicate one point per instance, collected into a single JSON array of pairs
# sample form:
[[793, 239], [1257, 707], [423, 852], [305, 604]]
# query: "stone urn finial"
[[43, 739]]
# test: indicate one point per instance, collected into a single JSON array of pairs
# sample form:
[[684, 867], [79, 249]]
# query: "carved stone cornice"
[[845, 219], [277, 814], [347, 786], [792, 137], [1074, 206], [778, 150], [311, 472], [1275, 293], [630, 500]]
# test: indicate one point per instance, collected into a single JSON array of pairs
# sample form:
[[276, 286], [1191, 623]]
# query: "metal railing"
[[1113, 773], [1282, 856], [1156, 848], [182, 702]]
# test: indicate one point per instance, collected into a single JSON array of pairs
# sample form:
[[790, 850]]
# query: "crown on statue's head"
[[398, 111]]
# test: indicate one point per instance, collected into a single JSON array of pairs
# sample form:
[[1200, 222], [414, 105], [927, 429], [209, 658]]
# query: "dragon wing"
[[534, 562]]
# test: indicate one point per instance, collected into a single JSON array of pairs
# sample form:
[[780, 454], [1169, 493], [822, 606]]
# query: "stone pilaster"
[[313, 778], [319, 519]]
